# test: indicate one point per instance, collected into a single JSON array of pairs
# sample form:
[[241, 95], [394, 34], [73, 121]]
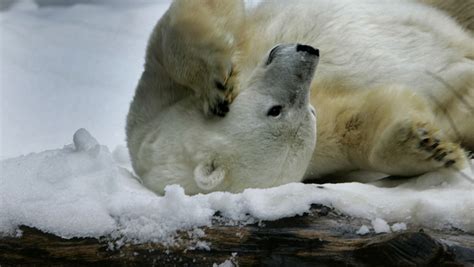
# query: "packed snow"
[[75, 66]]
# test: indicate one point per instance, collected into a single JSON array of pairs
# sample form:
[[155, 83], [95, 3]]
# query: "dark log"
[[322, 238]]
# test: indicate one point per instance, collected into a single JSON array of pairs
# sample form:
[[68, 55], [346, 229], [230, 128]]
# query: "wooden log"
[[323, 238]]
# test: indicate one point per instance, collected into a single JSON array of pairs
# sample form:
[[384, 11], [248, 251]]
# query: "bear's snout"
[[293, 64], [299, 48]]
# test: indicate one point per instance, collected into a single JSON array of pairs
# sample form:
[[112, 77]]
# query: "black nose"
[[308, 49]]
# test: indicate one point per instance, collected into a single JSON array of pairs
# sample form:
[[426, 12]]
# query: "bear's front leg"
[[198, 41]]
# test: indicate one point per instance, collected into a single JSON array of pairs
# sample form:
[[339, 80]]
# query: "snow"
[[398, 227], [226, 263], [231, 262], [73, 67], [363, 230], [84, 141], [380, 226]]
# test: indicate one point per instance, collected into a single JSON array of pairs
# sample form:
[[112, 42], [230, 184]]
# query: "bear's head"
[[270, 130]]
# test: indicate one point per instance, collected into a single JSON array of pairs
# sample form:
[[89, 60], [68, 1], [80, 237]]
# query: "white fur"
[[369, 42]]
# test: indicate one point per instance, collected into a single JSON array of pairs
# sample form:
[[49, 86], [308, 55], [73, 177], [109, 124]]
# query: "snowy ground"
[[86, 190], [68, 67]]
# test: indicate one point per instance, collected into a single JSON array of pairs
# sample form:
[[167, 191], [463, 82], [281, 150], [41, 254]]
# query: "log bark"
[[322, 237]]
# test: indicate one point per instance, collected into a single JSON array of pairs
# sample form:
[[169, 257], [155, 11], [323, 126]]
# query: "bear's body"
[[394, 90]]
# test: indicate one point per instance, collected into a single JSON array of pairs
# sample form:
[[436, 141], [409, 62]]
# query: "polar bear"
[[393, 93]]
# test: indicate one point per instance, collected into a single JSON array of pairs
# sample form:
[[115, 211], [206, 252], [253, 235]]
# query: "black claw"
[[435, 145], [470, 155], [441, 156], [424, 142], [221, 108], [224, 106], [219, 86], [449, 163]]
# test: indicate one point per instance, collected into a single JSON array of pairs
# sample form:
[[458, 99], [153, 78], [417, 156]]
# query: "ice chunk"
[[397, 227], [231, 262], [84, 141], [226, 263], [363, 230], [380, 226]]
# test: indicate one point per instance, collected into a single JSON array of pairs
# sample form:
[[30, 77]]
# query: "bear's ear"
[[208, 176]]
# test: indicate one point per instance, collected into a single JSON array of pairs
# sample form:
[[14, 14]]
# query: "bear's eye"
[[274, 111]]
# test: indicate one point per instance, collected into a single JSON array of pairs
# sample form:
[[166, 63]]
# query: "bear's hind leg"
[[415, 146], [405, 137]]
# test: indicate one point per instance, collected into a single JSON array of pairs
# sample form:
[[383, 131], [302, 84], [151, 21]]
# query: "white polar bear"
[[394, 93]]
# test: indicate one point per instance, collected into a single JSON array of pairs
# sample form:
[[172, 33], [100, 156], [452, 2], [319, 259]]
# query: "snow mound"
[[81, 190]]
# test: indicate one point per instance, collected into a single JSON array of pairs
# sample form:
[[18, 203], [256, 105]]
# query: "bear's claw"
[[219, 98], [440, 152], [221, 108]]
